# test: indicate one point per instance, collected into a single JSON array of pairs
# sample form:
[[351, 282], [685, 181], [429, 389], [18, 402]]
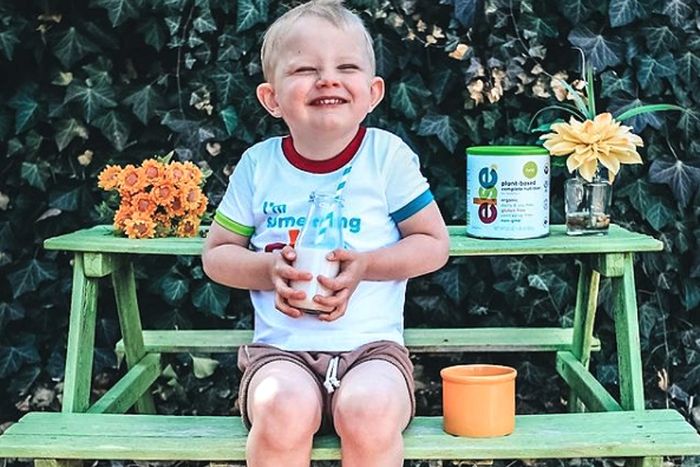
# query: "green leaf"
[[26, 106], [115, 128], [119, 10], [659, 213], [622, 12], [449, 279], [612, 83], [446, 128], [13, 357], [153, 33], [144, 103], [249, 13], [575, 11], [228, 84], [650, 70], [211, 298], [491, 118], [465, 11], [660, 39], [10, 312], [677, 11], [688, 67], [67, 130], [408, 96], [601, 52], [440, 83], [203, 367], [684, 179], [174, 288], [65, 200], [537, 281], [35, 174], [205, 22], [639, 194], [70, 46], [643, 109], [32, 273], [8, 40], [94, 97], [691, 294], [386, 53], [517, 268], [173, 24], [639, 121], [541, 26], [230, 119]]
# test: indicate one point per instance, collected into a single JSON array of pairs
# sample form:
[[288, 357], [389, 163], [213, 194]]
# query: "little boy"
[[346, 369]]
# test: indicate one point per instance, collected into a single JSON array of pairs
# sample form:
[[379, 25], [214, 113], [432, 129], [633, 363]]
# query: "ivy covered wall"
[[87, 83]]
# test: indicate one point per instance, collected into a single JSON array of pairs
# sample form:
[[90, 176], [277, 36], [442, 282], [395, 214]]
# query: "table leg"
[[629, 356], [81, 340], [130, 323], [627, 334], [584, 319]]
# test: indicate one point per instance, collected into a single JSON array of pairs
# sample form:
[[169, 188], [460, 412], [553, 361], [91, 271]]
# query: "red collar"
[[322, 167]]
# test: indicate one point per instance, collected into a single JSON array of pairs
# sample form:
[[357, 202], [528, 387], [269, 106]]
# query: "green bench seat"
[[417, 340], [207, 438]]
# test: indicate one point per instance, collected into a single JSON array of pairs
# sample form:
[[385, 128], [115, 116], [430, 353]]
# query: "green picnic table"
[[103, 430]]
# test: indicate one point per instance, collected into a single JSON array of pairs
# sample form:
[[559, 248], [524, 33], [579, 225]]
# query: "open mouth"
[[328, 101]]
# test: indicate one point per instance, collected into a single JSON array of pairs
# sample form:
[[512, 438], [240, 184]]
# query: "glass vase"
[[587, 205]]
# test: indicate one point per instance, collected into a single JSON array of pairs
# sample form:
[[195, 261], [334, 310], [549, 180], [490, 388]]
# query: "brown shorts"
[[254, 356]]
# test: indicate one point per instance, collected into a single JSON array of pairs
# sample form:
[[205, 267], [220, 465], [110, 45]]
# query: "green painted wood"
[[129, 389], [130, 323], [57, 463], [101, 239], [657, 461], [160, 437], [610, 265], [582, 383], [97, 264], [81, 336], [417, 340], [629, 356], [584, 320]]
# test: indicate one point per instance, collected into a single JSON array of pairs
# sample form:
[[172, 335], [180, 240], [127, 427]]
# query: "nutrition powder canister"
[[507, 192]]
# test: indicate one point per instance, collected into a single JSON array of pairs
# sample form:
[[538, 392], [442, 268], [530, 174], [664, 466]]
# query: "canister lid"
[[506, 150]]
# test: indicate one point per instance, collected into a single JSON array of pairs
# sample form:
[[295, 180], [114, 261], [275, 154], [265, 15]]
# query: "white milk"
[[313, 260]]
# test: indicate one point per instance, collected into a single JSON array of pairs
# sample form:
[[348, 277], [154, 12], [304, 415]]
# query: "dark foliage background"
[[87, 83]]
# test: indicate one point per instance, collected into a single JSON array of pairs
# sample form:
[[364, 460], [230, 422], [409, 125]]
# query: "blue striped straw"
[[326, 221], [343, 181]]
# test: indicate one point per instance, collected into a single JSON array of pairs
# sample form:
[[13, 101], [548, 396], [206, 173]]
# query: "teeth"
[[329, 101]]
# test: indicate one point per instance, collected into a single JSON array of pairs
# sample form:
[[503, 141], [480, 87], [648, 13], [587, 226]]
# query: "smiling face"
[[322, 80]]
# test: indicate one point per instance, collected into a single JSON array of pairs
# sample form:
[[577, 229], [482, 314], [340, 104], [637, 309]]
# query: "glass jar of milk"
[[321, 234]]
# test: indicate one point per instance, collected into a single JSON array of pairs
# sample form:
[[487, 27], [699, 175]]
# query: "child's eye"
[[348, 67], [305, 69]]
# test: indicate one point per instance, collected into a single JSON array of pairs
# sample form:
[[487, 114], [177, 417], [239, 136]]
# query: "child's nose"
[[327, 80]]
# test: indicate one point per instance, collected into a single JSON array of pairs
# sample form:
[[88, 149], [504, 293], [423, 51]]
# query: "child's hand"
[[352, 269], [281, 272]]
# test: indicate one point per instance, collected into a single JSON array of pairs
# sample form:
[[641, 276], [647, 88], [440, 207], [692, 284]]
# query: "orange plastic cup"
[[478, 400]]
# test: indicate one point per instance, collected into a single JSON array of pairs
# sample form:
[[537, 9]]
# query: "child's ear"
[[376, 92], [266, 95]]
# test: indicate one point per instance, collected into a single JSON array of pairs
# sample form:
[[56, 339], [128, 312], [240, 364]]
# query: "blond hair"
[[332, 11]]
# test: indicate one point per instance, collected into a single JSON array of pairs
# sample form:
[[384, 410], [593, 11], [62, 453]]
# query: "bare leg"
[[284, 406], [370, 411]]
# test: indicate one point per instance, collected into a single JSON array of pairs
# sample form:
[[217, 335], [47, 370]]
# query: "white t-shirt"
[[268, 194]]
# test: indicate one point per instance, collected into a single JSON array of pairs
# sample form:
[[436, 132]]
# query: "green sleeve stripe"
[[233, 226]]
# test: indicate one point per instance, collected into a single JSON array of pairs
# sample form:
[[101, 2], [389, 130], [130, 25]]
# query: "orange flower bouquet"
[[157, 199]]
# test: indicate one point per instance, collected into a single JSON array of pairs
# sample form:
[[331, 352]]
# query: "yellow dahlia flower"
[[602, 139]]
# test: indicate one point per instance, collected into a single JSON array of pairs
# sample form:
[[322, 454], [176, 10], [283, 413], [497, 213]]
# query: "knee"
[[274, 409], [369, 420]]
